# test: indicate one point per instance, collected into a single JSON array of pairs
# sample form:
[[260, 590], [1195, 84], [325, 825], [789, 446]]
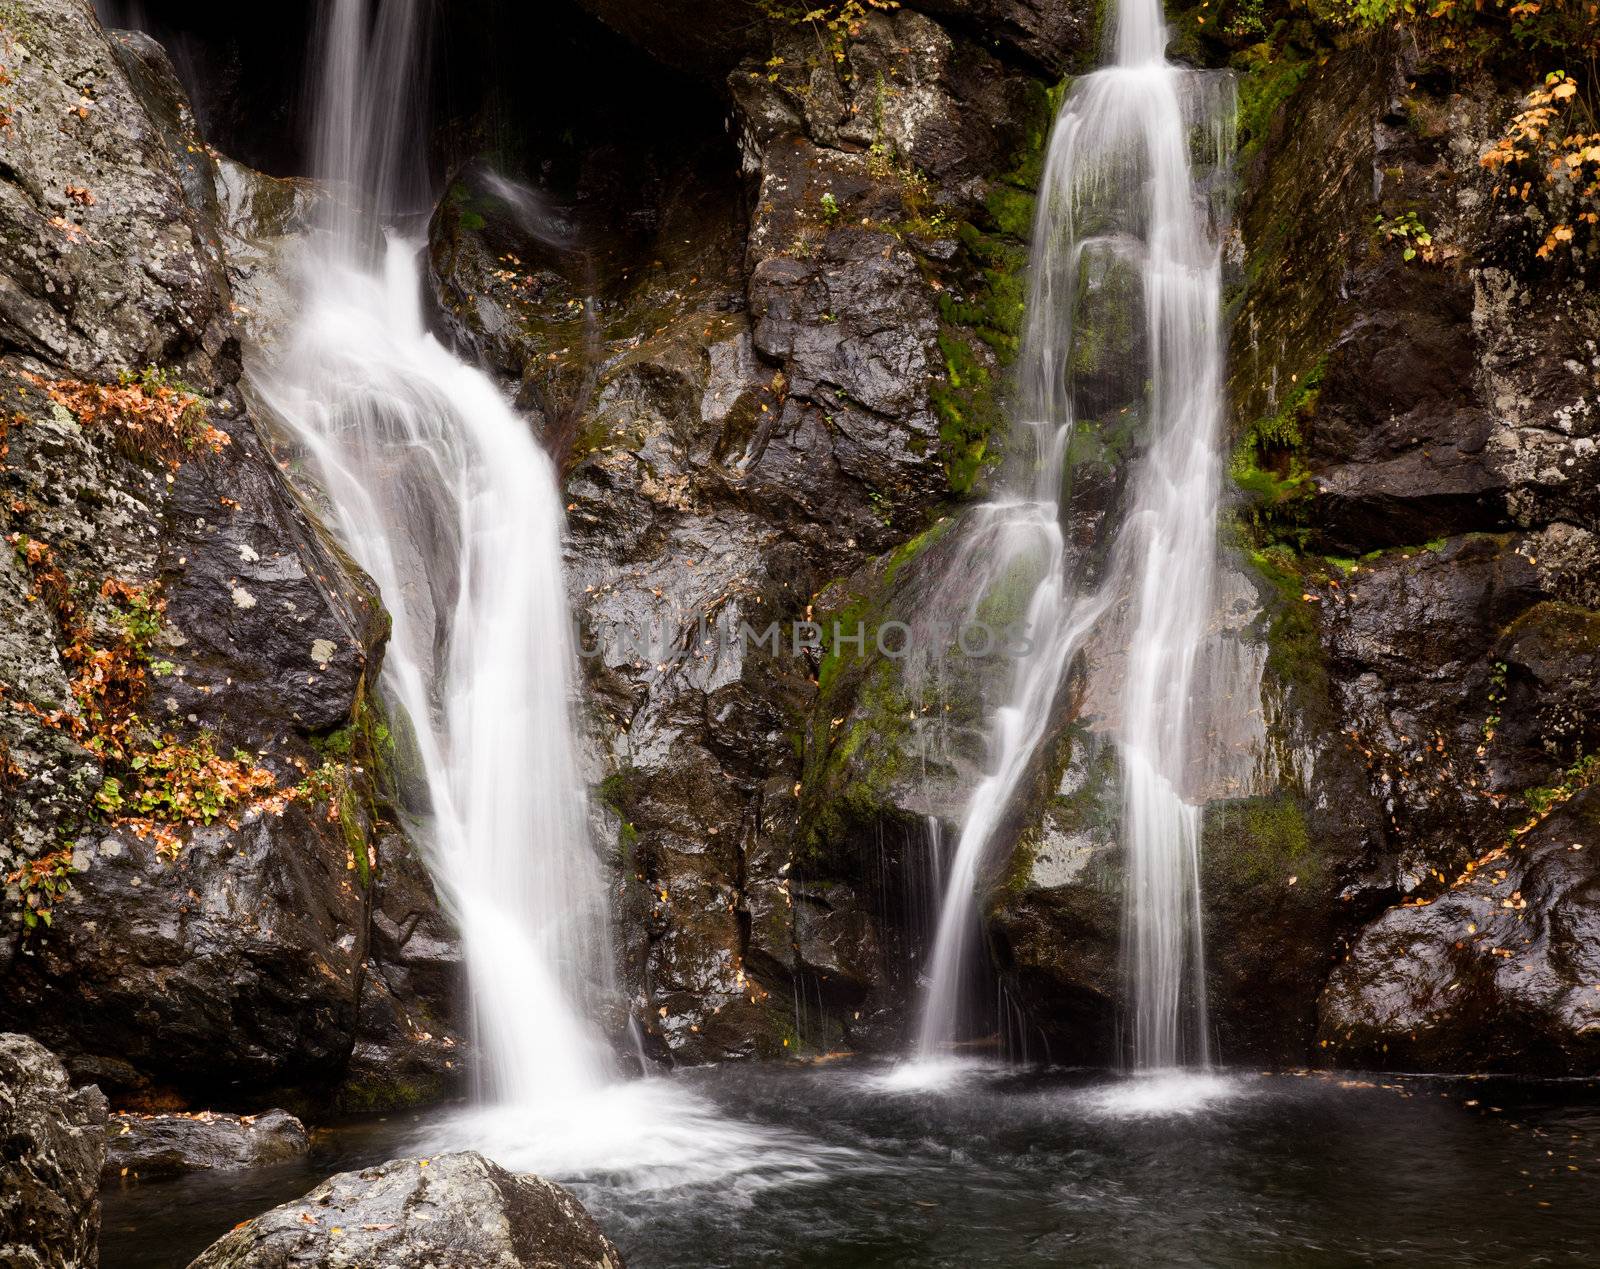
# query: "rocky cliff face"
[[198, 892], [789, 369], [1438, 540], [762, 308], [1412, 548]]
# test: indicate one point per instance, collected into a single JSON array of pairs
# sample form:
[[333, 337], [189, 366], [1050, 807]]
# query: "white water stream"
[[1119, 193], [439, 489], [443, 495]]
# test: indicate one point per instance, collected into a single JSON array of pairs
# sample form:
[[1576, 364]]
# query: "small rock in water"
[[166, 1145]]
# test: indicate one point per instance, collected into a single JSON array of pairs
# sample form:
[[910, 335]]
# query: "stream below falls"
[[839, 1167]]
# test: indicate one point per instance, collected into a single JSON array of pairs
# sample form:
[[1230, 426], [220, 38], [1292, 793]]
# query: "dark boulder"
[[52, 1143], [1052, 35], [1499, 970], [708, 38], [145, 1146], [231, 968], [455, 1209], [67, 295], [705, 38]]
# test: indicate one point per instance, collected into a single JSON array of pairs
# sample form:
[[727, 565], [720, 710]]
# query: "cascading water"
[[443, 495], [440, 491], [1119, 194]]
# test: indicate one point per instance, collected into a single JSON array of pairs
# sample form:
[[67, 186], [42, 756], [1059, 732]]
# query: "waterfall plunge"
[[1118, 186], [440, 491]]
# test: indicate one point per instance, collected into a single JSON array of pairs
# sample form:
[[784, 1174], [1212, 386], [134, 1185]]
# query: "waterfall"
[[441, 492], [1120, 195]]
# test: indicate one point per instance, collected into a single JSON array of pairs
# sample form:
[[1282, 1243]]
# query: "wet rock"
[[232, 967], [456, 1209], [499, 256], [54, 1142], [1495, 971], [763, 417], [66, 293], [700, 37], [1545, 680], [1054, 35], [147, 1146], [263, 221], [409, 1048], [705, 38], [1430, 416], [1056, 928]]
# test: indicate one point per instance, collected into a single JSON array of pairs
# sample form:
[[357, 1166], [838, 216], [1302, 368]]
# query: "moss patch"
[[1266, 465], [1264, 842], [981, 328]]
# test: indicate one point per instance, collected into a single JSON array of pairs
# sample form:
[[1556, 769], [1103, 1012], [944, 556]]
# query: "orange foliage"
[[148, 417], [1546, 156]]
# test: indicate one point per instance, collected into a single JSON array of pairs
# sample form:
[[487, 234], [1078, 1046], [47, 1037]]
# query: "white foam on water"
[[1158, 1093]]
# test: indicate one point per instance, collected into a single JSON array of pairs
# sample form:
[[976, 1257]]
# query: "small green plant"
[[1497, 697], [1246, 18], [324, 783], [1408, 230], [1579, 776], [42, 883], [140, 619], [836, 23], [184, 783], [830, 206], [109, 798]]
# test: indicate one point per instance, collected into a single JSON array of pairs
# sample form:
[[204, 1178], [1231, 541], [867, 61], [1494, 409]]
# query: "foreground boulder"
[[458, 1209], [51, 1145], [166, 1145]]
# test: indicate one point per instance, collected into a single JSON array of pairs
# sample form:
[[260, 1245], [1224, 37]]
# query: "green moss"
[[1263, 842], [911, 550], [615, 793], [1285, 429], [365, 748], [982, 327], [1267, 469], [461, 202], [968, 409], [15, 23], [1092, 809], [1007, 599], [1294, 644], [380, 1094], [1268, 76], [852, 619], [848, 772]]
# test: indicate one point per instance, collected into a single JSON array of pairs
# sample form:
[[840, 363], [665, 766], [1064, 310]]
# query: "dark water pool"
[[846, 1167]]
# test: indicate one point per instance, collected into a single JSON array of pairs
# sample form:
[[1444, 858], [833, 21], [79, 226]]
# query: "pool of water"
[[851, 1166]]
